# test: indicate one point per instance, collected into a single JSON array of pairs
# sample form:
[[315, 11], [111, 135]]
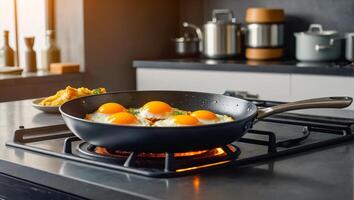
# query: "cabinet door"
[[267, 86], [310, 86]]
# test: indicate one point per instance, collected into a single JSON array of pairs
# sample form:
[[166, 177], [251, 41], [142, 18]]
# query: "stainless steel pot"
[[317, 44], [222, 38], [186, 46], [189, 44], [264, 35], [349, 47]]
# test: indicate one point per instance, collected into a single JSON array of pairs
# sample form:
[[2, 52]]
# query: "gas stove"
[[279, 135]]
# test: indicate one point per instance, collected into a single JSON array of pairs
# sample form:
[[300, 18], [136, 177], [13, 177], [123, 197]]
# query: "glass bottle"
[[51, 53], [7, 54]]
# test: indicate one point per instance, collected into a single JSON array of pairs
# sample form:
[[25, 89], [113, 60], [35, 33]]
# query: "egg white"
[[219, 119], [144, 113], [169, 122], [98, 117], [103, 118]]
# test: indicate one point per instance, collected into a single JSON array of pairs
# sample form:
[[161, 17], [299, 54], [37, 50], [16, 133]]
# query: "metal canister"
[[222, 38], [264, 35]]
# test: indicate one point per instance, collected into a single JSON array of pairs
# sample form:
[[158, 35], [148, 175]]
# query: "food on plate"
[[208, 117], [154, 113], [69, 93]]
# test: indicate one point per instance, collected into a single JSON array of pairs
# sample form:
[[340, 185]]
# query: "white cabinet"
[[277, 87], [311, 86], [267, 86]]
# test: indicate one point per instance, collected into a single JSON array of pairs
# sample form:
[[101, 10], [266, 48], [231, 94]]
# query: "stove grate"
[[339, 129]]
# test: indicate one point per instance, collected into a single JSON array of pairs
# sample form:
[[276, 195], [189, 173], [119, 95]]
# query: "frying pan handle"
[[326, 102]]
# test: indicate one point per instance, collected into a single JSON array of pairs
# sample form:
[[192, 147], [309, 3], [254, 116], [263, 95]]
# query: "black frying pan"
[[175, 139]]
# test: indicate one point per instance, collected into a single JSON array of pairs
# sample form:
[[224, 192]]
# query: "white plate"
[[47, 109]]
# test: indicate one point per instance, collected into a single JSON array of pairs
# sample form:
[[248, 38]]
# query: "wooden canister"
[[30, 62], [265, 32], [7, 54], [264, 15], [264, 53]]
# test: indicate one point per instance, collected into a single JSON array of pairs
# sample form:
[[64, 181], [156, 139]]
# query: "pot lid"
[[233, 22], [186, 38], [183, 39], [317, 30]]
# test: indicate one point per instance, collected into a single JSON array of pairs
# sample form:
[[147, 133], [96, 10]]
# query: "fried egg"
[[208, 117], [125, 118], [104, 111], [178, 120], [154, 113], [155, 110], [111, 108]]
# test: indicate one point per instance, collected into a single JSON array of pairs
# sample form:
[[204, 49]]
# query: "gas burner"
[[167, 162], [105, 152]]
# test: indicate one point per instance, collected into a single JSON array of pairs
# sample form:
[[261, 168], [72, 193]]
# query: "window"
[[34, 17], [7, 20]]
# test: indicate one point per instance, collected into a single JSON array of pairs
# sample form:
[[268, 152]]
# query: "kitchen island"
[[325, 173]]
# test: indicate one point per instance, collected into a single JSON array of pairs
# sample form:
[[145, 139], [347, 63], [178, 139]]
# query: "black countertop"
[[319, 174], [292, 67]]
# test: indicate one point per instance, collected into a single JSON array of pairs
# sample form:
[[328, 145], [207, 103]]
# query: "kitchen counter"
[[290, 67], [36, 84], [318, 174], [36, 77]]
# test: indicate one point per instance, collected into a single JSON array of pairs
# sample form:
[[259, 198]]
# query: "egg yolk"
[[204, 114], [122, 118], [185, 120], [157, 107], [110, 108]]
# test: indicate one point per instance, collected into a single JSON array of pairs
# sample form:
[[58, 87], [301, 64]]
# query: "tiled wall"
[[332, 14]]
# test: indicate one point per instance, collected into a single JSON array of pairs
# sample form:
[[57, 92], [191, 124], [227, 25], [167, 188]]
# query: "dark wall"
[[119, 31], [192, 11], [332, 14]]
